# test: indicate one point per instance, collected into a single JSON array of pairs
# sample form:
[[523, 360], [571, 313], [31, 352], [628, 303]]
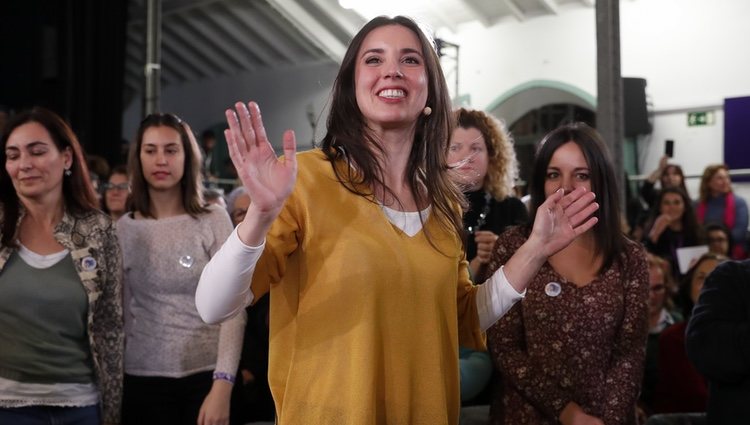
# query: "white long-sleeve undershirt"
[[224, 287]]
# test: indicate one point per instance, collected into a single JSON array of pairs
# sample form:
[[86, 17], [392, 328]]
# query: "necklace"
[[482, 215]]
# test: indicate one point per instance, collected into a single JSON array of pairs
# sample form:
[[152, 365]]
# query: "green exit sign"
[[700, 118]]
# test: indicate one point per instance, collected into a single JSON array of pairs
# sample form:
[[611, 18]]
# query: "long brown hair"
[[191, 184], [78, 192], [348, 137], [690, 226]]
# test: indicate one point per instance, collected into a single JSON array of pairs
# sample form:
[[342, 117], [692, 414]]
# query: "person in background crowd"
[[116, 192], [178, 370], [237, 203], [719, 239], [370, 292], [485, 167], [679, 386], [481, 152], [573, 351], [718, 342], [98, 171], [60, 270], [210, 167], [672, 225], [668, 175], [251, 399], [214, 196], [660, 316], [719, 204]]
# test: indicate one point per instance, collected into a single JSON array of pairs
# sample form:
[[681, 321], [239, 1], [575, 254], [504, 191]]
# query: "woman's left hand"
[[215, 407], [559, 220], [562, 218]]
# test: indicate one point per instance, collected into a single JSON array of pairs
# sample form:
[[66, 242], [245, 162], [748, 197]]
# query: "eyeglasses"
[[119, 186]]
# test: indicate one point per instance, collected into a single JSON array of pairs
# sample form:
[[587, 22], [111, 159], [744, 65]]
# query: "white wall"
[[695, 147], [494, 60], [284, 96], [692, 53]]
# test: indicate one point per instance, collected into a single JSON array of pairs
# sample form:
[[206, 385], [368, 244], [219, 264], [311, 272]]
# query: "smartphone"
[[669, 148]]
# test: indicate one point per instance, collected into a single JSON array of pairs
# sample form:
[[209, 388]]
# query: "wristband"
[[224, 376]]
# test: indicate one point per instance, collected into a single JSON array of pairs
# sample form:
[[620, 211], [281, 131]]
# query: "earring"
[[67, 172], [427, 111]]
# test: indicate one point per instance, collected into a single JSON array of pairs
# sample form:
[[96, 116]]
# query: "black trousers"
[[151, 400]]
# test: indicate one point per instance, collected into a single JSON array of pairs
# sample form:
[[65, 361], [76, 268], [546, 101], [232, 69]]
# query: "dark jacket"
[[718, 342]]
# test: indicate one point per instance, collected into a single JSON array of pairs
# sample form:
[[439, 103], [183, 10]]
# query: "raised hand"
[[660, 225], [562, 218], [268, 179], [559, 220]]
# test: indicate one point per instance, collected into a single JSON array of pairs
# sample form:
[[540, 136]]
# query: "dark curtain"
[[93, 48], [69, 56]]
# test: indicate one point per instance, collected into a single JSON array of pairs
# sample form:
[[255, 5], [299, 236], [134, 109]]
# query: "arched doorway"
[[532, 109]]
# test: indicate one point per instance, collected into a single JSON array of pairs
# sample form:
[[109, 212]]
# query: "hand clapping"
[[562, 218]]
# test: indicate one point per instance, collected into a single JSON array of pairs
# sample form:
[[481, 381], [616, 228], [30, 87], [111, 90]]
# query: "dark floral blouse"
[[565, 343]]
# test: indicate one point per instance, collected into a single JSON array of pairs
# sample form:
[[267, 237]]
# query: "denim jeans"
[[50, 415]]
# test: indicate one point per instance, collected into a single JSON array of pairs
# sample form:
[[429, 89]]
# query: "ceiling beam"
[[515, 10], [349, 21], [133, 82], [204, 44], [261, 38], [249, 57], [174, 58], [295, 39], [550, 6], [309, 26], [445, 20], [181, 42], [171, 7], [135, 59], [477, 13]]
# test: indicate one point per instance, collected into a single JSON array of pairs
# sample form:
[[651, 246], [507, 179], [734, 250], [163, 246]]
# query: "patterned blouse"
[[564, 343]]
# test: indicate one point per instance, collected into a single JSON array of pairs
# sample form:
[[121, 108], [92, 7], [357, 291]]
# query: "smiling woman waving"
[[370, 293]]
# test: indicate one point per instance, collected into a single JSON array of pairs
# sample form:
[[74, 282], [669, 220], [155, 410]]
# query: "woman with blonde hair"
[[485, 167], [719, 204]]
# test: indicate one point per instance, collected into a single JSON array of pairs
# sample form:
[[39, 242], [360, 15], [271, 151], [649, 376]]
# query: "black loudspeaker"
[[635, 110]]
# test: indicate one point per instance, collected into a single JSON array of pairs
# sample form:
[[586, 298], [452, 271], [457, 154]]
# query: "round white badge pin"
[[88, 263], [552, 289]]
